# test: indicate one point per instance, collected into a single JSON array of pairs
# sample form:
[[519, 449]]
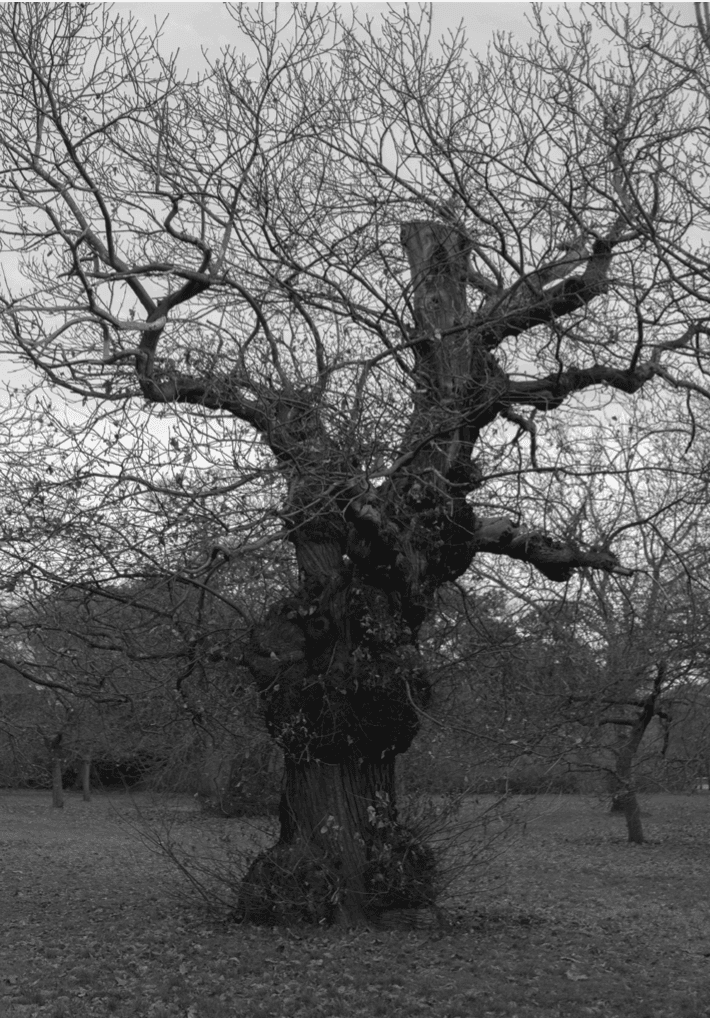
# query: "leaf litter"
[[568, 920]]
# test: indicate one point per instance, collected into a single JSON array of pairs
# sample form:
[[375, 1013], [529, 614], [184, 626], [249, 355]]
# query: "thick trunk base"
[[342, 857]]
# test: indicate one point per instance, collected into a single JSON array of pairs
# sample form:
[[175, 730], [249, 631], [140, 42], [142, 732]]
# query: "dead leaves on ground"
[[93, 927]]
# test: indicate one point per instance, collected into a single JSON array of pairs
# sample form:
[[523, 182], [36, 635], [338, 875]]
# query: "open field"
[[569, 921]]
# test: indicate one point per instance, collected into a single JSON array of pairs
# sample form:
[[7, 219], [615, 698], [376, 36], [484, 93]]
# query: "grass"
[[568, 921]]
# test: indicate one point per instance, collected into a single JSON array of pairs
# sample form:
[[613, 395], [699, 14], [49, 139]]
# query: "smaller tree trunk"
[[617, 803], [624, 796], [57, 790], [632, 815], [54, 749], [626, 802], [86, 778]]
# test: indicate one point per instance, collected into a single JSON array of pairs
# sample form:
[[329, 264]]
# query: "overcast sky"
[[194, 25]]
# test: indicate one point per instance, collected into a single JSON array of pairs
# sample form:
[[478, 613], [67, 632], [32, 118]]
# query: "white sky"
[[192, 26]]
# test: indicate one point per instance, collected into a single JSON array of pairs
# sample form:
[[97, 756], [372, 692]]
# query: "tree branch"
[[551, 391], [215, 393], [527, 304], [557, 560]]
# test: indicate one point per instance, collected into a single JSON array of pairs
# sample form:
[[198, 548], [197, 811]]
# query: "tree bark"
[[623, 793], [341, 701], [337, 664], [342, 856], [86, 778], [54, 750], [57, 789], [624, 798]]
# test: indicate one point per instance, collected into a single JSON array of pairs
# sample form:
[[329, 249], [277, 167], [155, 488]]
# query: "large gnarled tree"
[[363, 248]]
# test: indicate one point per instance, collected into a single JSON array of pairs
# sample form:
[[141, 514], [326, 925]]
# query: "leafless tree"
[[652, 629], [365, 269], [611, 669]]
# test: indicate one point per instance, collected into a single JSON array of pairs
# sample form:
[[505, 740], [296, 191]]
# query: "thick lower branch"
[[220, 393], [551, 391], [557, 560]]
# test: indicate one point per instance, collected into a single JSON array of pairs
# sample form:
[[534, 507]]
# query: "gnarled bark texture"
[[624, 799]]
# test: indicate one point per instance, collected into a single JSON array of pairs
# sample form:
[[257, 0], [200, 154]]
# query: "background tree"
[[649, 632], [147, 670], [602, 677], [345, 262]]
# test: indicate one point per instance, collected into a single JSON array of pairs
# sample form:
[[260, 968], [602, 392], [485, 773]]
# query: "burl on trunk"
[[342, 702]]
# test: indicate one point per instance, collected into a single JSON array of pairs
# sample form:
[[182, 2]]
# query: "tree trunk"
[[625, 802], [342, 856], [57, 790], [337, 664], [624, 795], [632, 815], [341, 705], [623, 792], [615, 791], [86, 778], [54, 749]]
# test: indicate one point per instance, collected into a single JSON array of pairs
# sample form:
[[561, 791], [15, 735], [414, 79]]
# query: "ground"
[[569, 921]]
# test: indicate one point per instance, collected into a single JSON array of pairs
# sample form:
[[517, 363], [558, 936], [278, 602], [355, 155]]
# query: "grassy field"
[[569, 920]]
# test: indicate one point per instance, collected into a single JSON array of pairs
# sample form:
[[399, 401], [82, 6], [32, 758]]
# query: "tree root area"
[[305, 883]]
